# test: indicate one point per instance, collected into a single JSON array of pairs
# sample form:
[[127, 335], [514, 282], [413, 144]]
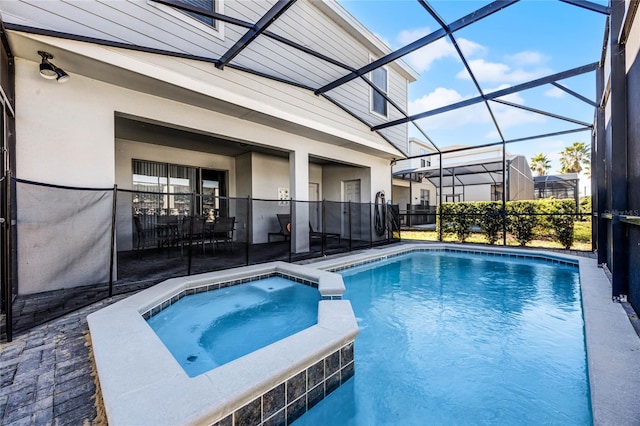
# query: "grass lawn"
[[543, 237]]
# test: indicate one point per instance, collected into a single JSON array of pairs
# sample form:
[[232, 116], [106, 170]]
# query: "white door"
[[352, 190], [351, 193]]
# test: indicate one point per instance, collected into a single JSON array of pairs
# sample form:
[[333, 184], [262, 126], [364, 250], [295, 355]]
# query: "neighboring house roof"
[[556, 178], [487, 171]]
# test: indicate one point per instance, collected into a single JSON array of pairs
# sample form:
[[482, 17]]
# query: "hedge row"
[[522, 219]]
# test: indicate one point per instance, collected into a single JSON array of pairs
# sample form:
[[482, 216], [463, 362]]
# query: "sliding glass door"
[[166, 189]]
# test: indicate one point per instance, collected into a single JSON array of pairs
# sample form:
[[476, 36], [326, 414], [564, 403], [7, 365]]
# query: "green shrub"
[[563, 224], [491, 220], [561, 219], [521, 220], [465, 219], [457, 219], [445, 219]]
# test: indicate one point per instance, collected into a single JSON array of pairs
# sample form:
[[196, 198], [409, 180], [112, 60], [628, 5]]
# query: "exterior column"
[[616, 157], [299, 182]]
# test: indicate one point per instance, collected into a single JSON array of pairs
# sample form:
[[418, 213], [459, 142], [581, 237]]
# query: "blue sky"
[[527, 40]]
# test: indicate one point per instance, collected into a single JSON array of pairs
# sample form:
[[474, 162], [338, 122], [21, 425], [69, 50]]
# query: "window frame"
[[425, 197], [217, 30], [373, 93]]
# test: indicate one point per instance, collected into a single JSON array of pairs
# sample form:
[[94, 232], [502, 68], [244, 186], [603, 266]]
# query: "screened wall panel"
[[64, 237]]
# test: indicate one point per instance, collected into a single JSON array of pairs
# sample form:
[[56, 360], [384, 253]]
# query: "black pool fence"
[[71, 247]]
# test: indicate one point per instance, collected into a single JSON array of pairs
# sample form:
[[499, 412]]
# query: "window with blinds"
[[378, 102], [160, 188], [208, 5]]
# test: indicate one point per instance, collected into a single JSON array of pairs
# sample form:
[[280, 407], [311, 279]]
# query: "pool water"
[[463, 339], [205, 330]]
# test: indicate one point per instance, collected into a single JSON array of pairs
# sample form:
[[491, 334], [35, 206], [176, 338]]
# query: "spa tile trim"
[[216, 286], [543, 257], [296, 395]]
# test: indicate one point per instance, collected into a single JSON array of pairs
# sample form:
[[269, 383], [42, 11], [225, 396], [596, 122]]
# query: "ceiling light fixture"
[[50, 71]]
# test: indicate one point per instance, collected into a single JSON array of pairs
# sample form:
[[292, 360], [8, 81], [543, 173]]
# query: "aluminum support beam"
[[497, 94], [292, 44], [504, 194], [575, 94], [594, 7], [442, 23], [440, 200], [249, 25], [267, 19], [538, 111], [463, 22], [599, 172]]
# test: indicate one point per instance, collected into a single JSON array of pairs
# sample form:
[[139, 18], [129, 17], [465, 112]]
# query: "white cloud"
[[507, 116], [475, 114], [499, 73], [554, 92], [439, 97], [526, 57], [408, 36], [423, 58], [471, 48], [512, 97], [492, 135]]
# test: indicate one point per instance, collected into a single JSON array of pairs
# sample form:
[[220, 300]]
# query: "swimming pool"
[[205, 330], [142, 383], [459, 338]]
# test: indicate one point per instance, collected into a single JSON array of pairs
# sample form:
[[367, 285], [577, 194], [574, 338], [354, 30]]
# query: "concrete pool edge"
[[142, 383], [613, 347]]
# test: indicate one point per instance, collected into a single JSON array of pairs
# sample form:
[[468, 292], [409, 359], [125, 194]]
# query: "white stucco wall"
[[66, 136]]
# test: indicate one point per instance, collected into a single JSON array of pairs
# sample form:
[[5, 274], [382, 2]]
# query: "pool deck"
[[46, 373]]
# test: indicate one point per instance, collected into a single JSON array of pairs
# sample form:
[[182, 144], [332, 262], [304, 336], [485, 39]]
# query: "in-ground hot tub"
[[142, 383], [208, 329]]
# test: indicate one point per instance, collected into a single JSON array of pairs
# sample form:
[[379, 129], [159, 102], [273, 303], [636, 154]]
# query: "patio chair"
[[195, 235], [222, 231], [319, 234], [141, 235], [284, 220], [168, 230]]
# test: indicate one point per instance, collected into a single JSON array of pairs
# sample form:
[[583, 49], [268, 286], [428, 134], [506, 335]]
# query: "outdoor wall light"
[[50, 71]]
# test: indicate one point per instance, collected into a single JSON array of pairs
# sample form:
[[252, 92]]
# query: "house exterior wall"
[[149, 24], [74, 144], [67, 132]]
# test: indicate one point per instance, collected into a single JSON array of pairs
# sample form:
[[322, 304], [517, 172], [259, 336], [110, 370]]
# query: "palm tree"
[[574, 157], [540, 164]]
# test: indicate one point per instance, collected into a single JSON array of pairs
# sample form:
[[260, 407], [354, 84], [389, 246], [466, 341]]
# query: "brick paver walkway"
[[46, 374]]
